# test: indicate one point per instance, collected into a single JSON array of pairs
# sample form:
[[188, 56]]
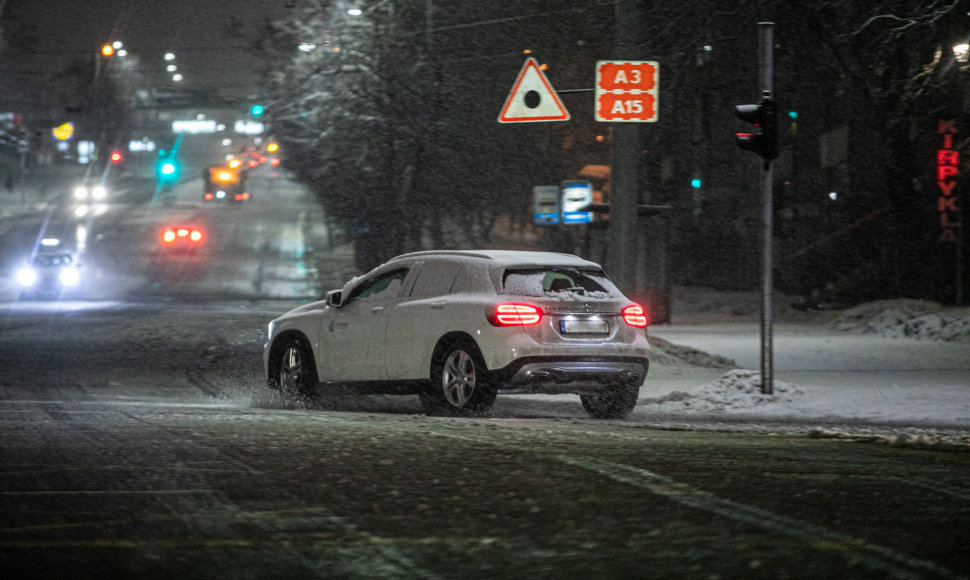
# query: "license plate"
[[584, 326]]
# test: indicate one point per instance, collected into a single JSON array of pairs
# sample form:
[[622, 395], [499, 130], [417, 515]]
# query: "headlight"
[[70, 276], [98, 192], [26, 276], [81, 193]]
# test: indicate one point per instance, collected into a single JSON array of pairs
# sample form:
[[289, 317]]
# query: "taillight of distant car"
[[171, 235], [274, 161], [252, 163], [241, 196], [512, 314], [635, 315]]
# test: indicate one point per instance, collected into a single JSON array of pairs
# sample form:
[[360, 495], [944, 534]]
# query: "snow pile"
[[914, 439], [669, 354], [907, 318], [736, 389]]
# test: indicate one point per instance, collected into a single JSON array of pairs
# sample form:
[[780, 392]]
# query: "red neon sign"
[[947, 178]]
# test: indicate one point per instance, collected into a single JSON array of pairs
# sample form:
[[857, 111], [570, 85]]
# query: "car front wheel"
[[460, 384], [613, 404], [294, 371]]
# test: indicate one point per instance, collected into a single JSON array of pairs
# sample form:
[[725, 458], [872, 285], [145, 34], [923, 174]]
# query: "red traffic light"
[[764, 116], [117, 156]]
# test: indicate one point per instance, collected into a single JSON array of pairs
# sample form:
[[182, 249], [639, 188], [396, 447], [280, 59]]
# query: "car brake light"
[[195, 236], [168, 236], [509, 314], [635, 315]]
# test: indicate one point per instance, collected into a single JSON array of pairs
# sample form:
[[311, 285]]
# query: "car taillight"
[[195, 236], [635, 315], [510, 314], [168, 236]]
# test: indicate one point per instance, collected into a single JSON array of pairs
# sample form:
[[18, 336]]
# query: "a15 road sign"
[[627, 91]]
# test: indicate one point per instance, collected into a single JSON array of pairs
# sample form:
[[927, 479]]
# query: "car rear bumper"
[[576, 375]]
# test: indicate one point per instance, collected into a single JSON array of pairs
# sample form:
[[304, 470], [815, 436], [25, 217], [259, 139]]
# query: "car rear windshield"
[[557, 281]]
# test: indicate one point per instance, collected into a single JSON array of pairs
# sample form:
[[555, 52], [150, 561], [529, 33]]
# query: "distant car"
[[459, 327], [179, 254], [182, 238], [226, 182], [49, 274]]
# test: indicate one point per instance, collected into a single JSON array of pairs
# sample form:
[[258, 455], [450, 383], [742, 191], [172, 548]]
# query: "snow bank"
[[736, 389], [907, 318]]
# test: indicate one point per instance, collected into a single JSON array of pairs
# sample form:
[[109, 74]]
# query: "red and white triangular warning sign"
[[532, 98]]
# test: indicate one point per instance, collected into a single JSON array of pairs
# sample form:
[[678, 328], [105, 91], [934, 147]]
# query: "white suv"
[[458, 327]]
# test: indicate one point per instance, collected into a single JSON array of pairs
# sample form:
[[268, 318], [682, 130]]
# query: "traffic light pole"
[[767, 65]]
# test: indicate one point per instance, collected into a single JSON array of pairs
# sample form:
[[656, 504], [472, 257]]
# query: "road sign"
[[546, 204], [627, 91], [576, 197], [532, 99]]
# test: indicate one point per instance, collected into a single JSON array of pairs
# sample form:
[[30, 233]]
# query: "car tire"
[[460, 382], [293, 370], [613, 404]]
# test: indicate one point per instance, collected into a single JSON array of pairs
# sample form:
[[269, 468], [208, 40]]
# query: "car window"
[[462, 282], [435, 279], [384, 285], [556, 281]]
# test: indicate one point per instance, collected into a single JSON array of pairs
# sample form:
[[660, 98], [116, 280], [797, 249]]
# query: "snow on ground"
[[907, 318], [894, 372]]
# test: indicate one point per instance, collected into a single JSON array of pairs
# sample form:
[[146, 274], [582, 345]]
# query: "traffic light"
[[167, 169], [764, 116], [256, 110], [117, 156]]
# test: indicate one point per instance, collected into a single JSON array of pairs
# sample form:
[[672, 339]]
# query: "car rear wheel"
[[293, 371], [613, 404], [460, 383]]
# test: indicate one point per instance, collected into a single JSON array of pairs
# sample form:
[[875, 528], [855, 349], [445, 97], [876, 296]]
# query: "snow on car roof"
[[509, 257]]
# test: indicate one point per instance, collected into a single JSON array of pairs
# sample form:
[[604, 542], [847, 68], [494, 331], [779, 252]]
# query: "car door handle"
[[437, 306], [334, 324]]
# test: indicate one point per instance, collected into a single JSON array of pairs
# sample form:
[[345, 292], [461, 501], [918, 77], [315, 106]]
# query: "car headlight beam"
[[26, 276]]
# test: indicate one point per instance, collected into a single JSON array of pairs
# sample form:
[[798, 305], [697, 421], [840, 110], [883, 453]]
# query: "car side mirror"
[[334, 298]]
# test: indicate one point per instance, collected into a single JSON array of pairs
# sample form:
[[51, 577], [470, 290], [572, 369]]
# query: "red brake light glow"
[[635, 315], [169, 235], [509, 314]]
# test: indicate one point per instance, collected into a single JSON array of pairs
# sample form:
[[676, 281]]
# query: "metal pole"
[[767, 65]]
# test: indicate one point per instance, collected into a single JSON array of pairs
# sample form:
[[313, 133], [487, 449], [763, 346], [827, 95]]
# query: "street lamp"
[[961, 52]]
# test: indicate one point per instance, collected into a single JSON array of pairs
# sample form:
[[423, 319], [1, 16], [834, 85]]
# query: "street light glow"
[[961, 52], [355, 11], [169, 56], [177, 77]]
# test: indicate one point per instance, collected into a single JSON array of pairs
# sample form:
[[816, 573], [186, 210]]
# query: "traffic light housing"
[[764, 116]]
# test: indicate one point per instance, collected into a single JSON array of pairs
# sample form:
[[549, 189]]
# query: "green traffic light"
[[256, 110]]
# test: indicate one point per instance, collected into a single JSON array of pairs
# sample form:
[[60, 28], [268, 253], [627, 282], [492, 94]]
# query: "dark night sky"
[[197, 31]]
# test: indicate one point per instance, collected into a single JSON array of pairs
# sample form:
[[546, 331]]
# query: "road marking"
[[853, 549]]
